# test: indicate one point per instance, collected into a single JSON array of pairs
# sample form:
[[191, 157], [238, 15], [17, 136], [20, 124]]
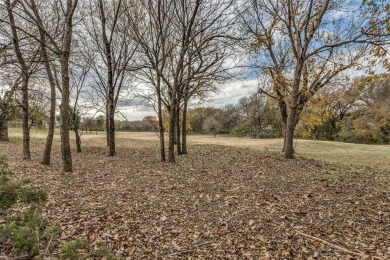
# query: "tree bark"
[[289, 138], [112, 151], [178, 130], [107, 125], [64, 111], [160, 121], [284, 115], [4, 123], [25, 119], [184, 127], [78, 139], [172, 119], [52, 117], [49, 139]]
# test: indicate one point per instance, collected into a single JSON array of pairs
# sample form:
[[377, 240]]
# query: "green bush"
[[11, 192], [27, 234], [23, 232]]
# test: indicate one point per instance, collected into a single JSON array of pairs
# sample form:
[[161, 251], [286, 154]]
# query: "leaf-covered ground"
[[216, 203]]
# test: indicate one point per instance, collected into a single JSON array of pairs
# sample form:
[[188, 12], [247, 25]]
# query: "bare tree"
[[25, 60], [151, 28], [79, 74], [59, 41], [47, 61], [185, 50], [112, 62], [305, 45]]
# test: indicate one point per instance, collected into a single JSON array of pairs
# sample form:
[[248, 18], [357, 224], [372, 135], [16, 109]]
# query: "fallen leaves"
[[217, 202]]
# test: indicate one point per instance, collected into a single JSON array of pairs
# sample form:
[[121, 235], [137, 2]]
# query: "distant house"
[[152, 120]]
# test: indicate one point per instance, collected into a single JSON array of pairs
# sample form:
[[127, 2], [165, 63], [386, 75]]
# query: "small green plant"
[[333, 176], [71, 250], [24, 232], [103, 252]]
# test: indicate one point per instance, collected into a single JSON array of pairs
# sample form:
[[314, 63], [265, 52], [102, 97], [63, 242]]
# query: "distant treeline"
[[358, 112]]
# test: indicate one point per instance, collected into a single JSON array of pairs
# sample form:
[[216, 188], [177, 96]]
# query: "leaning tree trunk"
[[49, 139], [52, 118]]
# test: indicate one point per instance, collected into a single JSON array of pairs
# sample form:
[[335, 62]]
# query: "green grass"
[[376, 156]]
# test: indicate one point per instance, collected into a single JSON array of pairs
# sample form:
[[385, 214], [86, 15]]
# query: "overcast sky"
[[228, 93]]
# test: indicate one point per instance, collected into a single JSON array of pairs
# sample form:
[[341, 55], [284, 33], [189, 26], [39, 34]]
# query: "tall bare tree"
[[25, 60], [59, 41], [33, 11], [112, 61], [185, 50], [151, 28]]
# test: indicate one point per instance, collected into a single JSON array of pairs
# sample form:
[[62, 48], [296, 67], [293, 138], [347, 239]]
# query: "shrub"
[[23, 232]]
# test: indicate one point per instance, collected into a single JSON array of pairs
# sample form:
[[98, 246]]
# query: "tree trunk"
[[107, 124], [49, 139], [110, 82], [25, 119], [293, 117], [160, 122], [184, 128], [112, 151], [178, 130], [284, 115], [65, 140], [4, 124], [289, 140], [64, 112], [78, 139], [172, 117]]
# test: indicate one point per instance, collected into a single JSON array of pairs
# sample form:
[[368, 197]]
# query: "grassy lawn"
[[377, 156]]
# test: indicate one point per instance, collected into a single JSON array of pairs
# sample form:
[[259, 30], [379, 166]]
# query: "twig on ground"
[[235, 188], [339, 247], [188, 250], [48, 245]]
